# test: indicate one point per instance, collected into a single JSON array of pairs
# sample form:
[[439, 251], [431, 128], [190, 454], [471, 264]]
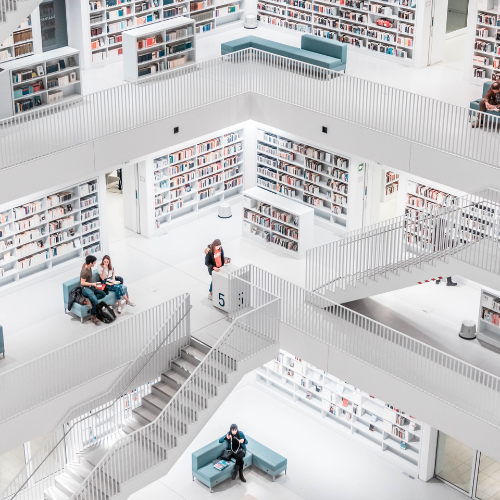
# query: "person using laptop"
[[88, 285], [107, 275]]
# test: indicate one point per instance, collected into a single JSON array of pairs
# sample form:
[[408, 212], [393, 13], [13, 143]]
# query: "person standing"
[[237, 444], [491, 102], [214, 260], [88, 287], [106, 271]]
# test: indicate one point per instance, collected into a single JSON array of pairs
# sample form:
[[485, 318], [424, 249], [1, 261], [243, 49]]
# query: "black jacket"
[[77, 296], [210, 260]]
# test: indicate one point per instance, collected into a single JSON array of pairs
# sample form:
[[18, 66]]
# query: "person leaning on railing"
[[491, 102]]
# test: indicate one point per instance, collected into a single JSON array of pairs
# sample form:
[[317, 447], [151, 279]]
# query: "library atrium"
[[237, 235]]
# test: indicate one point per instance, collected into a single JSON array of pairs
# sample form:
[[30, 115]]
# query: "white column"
[[428, 448]]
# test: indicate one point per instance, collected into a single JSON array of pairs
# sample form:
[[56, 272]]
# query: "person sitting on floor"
[[491, 102], [88, 286], [107, 272]]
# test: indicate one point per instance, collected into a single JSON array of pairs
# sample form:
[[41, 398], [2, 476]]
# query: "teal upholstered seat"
[[475, 104], [78, 309], [203, 461], [314, 50]]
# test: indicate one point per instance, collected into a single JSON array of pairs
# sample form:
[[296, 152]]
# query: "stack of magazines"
[[221, 465]]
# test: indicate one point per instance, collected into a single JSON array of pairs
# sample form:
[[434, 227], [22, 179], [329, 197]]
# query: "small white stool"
[[468, 330], [225, 211], [250, 22]]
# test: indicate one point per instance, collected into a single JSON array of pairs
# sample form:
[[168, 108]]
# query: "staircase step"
[[200, 346], [55, 493], [174, 379], [192, 354], [164, 391], [67, 484], [79, 472], [154, 403], [131, 425], [93, 454], [144, 415], [183, 366]]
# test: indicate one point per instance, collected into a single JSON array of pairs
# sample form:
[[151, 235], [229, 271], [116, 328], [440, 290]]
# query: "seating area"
[[257, 455], [475, 104], [82, 311], [328, 54]]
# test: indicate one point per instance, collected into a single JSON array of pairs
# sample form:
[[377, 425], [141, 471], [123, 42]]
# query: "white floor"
[[322, 463], [441, 81]]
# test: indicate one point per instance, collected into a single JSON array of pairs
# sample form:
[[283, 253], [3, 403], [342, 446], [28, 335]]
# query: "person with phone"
[[237, 445], [107, 275], [214, 260], [89, 289]]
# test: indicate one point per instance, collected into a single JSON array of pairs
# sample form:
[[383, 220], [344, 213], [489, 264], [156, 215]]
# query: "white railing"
[[40, 380], [7, 6], [94, 421], [395, 112], [467, 230], [430, 370], [149, 446]]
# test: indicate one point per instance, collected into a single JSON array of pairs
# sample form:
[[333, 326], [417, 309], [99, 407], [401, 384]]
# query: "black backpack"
[[105, 313]]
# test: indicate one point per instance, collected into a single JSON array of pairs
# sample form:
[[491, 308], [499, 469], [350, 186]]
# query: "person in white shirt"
[[106, 271]]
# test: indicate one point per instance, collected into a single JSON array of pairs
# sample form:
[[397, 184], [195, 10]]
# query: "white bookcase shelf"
[[158, 47], [368, 420], [281, 224], [40, 80], [390, 185], [353, 22], [486, 54], [48, 231], [309, 175], [197, 178], [19, 44], [489, 318]]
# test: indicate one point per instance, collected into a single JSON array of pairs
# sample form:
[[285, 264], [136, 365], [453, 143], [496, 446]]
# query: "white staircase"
[[410, 249]]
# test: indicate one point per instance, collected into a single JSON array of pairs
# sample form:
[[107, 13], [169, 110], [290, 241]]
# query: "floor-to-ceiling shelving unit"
[[486, 55], [312, 176], [49, 231], [197, 178], [489, 318], [367, 420], [350, 21]]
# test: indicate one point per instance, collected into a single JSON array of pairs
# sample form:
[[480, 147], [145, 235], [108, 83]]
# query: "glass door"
[[488, 479]]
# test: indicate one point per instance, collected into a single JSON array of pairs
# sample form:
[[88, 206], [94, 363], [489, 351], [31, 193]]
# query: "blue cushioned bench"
[[475, 104], [328, 54], [257, 454], [77, 309]]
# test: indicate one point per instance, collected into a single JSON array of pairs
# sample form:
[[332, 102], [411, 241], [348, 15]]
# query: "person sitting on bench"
[[491, 102], [88, 286]]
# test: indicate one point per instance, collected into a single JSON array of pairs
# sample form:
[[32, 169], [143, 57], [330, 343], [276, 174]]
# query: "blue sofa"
[[475, 104], [2, 345], [77, 309], [315, 50], [257, 454]]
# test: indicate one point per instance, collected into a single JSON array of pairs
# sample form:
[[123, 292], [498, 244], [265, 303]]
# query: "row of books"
[[256, 218], [391, 188], [33, 260], [209, 169], [289, 179], [61, 223], [267, 172], [209, 181], [283, 23], [149, 18], [180, 33], [30, 222], [313, 200], [285, 190], [62, 236], [88, 201], [65, 248], [209, 158], [266, 183], [230, 184], [279, 141], [28, 236], [435, 194], [285, 230], [91, 250], [284, 242], [91, 238], [152, 68], [225, 11], [28, 208], [205, 27], [208, 145], [202, 195], [200, 5]]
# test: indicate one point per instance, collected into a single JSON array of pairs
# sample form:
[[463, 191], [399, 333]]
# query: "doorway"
[[466, 469], [122, 202], [447, 34]]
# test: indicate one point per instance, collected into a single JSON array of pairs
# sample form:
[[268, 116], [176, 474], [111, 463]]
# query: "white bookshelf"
[[390, 186], [353, 23], [281, 224], [349, 410], [486, 54], [48, 231], [96, 27], [19, 43], [46, 70], [489, 314], [310, 175], [197, 178], [158, 47]]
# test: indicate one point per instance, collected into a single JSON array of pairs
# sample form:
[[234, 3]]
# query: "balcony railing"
[[467, 229], [426, 368], [398, 113]]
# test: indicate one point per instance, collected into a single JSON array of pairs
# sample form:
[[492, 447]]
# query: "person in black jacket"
[[237, 444], [214, 260]]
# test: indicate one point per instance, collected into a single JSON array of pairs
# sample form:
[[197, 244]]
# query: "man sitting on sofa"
[[491, 102], [88, 286]]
